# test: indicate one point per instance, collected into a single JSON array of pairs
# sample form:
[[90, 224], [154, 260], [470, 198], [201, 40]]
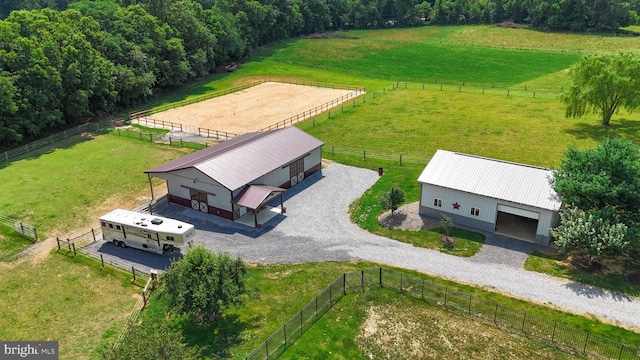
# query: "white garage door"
[[520, 212]]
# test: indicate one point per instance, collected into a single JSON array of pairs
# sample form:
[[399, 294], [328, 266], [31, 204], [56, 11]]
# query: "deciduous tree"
[[152, 340], [588, 232], [603, 83], [203, 284]]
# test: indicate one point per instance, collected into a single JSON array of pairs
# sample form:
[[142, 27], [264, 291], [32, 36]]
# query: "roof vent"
[[156, 221]]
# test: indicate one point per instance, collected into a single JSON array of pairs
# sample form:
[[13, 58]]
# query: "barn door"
[[199, 201], [296, 171]]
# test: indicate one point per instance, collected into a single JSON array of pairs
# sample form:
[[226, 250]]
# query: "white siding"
[[313, 159], [179, 183], [488, 208], [277, 177]]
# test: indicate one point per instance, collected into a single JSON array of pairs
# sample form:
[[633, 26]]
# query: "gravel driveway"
[[317, 228]]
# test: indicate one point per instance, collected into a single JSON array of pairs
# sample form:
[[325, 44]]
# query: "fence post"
[[58, 240], [445, 296], [362, 280], [68, 244], [344, 283], [524, 319], [469, 310], [584, 349], [364, 155], [400, 159], [553, 334], [380, 277], [133, 270], [74, 249], [93, 233], [35, 234], [620, 354], [102, 261], [495, 314]]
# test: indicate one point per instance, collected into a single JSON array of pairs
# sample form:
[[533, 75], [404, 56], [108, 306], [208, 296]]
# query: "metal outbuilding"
[[243, 174], [492, 195]]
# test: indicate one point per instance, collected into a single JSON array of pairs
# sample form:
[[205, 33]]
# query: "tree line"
[[64, 61]]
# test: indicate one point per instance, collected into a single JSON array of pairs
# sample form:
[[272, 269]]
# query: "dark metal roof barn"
[[237, 162]]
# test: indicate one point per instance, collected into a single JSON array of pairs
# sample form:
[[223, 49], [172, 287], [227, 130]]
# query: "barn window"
[[475, 211], [437, 202], [148, 236], [118, 227], [111, 226], [104, 224]]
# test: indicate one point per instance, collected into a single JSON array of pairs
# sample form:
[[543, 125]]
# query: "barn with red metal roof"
[[241, 175]]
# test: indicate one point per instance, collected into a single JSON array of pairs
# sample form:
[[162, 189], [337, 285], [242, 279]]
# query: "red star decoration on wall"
[[456, 206]]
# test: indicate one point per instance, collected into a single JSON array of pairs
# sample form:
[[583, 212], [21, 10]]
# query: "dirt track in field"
[[251, 109]]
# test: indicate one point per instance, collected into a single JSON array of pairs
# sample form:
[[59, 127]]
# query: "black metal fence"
[[359, 281]]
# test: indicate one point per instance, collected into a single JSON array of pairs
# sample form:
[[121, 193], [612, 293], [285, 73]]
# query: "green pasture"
[[58, 191], [417, 122], [68, 300], [285, 289]]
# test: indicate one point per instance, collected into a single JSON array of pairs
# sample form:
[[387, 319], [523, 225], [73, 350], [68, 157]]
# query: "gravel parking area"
[[317, 227]]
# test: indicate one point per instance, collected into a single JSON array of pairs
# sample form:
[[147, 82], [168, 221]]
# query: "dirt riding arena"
[[253, 109]]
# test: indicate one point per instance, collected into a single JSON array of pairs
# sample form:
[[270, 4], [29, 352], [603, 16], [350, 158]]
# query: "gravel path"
[[317, 228]]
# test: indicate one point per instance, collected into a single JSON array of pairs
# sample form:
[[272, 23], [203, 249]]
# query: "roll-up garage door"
[[520, 212]]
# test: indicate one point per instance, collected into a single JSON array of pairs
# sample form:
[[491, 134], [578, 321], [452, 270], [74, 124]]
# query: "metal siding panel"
[[493, 178]]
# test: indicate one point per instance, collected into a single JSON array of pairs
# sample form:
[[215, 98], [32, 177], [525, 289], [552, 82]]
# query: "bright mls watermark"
[[40, 350]]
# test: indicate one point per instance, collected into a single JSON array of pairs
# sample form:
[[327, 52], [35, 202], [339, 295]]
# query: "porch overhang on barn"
[[255, 196]]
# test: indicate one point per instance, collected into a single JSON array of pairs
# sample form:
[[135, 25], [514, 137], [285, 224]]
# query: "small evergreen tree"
[[446, 224], [392, 199]]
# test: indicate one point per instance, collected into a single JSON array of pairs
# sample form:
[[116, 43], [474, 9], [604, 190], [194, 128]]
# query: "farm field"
[[63, 191]]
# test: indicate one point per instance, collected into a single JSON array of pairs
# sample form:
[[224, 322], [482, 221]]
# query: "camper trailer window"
[[104, 224], [111, 226], [118, 227], [170, 238], [148, 236]]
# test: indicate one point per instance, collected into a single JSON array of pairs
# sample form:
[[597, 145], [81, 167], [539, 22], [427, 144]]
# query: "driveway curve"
[[317, 227]]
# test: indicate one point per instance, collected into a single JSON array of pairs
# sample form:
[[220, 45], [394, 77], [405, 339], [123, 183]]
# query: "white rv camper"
[[143, 231]]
